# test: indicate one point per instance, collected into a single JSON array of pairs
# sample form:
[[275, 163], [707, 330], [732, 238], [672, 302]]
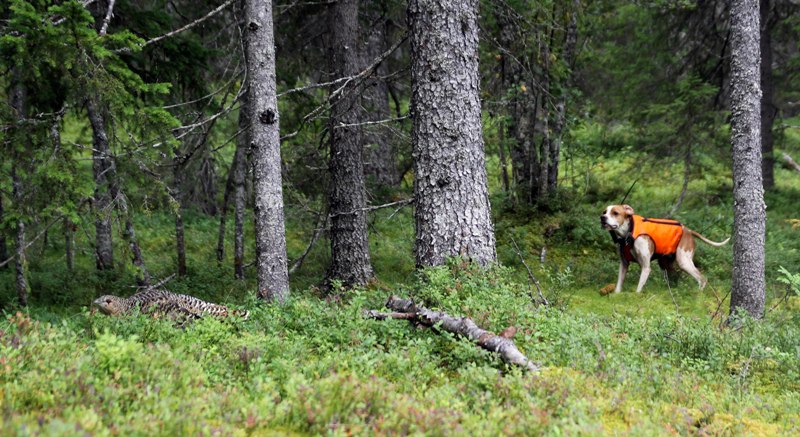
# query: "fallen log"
[[405, 309]]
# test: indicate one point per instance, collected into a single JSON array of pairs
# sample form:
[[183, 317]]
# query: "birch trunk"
[[264, 134], [450, 188], [347, 199], [748, 192]]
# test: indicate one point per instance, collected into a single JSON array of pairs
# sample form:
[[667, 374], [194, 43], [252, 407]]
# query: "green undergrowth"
[[653, 363], [319, 366]]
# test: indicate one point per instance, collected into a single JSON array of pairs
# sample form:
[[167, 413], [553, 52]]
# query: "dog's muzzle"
[[604, 223]]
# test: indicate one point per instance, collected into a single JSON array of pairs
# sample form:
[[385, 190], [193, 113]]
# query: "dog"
[[644, 239]]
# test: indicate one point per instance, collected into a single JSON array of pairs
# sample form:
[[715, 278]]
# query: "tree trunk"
[[560, 117], [239, 169], [748, 192], [180, 242], [452, 213], [103, 170], [3, 244], [264, 134], [521, 112], [69, 243], [18, 101], [768, 108], [380, 164], [223, 216], [20, 262], [129, 235], [350, 260]]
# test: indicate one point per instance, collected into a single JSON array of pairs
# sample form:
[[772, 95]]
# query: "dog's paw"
[[607, 289]]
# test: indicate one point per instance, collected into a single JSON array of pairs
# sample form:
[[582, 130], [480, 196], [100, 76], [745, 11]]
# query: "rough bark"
[[264, 134], [405, 309], [103, 170], [239, 169], [748, 192], [380, 156], [768, 108], [450, 188], [347, 199]]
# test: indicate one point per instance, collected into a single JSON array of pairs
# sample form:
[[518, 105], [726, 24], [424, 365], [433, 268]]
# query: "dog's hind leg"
[[684, 259]]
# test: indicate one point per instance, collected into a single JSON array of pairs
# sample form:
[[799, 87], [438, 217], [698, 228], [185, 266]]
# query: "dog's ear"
[[628, 210]]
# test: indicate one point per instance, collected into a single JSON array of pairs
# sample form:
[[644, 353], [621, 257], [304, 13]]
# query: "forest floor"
[[654, 363]]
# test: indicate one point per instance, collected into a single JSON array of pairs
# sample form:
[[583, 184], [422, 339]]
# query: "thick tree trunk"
[[450, 188], [748, 192], [103, 171], [380, 156], [768, 108], [180, 241], [239, 169], [264, 134], [347, 199]]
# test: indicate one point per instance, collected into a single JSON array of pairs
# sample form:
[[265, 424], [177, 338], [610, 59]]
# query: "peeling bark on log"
[[405, 309]]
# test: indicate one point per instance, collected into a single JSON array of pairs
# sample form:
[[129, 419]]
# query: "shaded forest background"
[[580, 100]]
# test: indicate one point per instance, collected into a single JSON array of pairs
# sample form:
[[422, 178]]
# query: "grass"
[[653, 363]]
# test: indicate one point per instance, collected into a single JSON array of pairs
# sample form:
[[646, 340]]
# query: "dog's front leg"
[[643, 251], [623, 270]]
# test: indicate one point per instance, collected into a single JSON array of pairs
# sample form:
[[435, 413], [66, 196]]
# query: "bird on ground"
[[164, 303]]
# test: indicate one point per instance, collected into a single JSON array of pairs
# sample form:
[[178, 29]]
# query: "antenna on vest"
[[622, 202]]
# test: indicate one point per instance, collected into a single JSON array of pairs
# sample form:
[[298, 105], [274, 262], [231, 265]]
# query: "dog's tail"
[[706, 240]]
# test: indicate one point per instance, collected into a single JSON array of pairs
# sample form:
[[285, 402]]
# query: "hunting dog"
[[644, 239]]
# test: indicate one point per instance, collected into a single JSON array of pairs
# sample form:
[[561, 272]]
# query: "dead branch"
[[789, 161], [359, 78], [322, 224], [107, 19], [530, 275], [182, 29], [401, 203], [38, 236], [406, 309]]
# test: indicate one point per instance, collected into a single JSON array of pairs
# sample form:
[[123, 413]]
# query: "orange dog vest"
[[666, 235]]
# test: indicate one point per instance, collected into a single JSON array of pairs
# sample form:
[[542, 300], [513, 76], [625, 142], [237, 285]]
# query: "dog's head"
[[616, 218]]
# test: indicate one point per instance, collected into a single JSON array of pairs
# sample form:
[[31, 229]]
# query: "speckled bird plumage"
[[155, 301]]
